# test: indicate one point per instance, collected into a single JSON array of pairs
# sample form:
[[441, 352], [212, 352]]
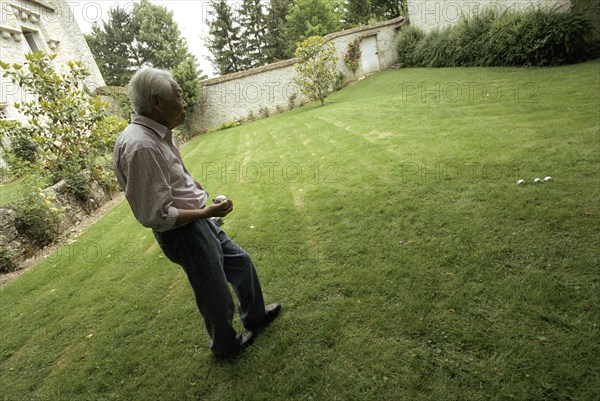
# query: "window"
[[32, 41], [3, 113]]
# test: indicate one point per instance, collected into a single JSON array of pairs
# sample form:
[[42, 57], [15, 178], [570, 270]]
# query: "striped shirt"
[[150, 170]]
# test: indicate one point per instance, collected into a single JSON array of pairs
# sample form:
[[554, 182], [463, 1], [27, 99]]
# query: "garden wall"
[[436, 14], [269, 89]]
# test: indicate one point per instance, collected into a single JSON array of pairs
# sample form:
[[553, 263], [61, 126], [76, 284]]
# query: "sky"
[[188, 14]]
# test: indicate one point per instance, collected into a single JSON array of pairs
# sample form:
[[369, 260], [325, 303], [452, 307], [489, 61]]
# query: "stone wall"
[[437, 14], [267, 90]]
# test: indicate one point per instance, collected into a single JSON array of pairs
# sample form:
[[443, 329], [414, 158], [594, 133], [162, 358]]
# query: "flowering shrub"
[[316, 71], [352, 56]]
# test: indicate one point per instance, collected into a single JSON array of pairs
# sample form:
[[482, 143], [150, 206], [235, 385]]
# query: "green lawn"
[[10, 192], [388, 223]]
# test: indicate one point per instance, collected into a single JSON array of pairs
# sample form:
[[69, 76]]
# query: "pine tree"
[[253, 24], [276, 44], [224, 38], [111, 46]]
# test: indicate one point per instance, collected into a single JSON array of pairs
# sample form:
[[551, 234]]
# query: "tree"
[[224, 38], [158, 42], [276, 44], [312, 18], [111, 45], [358, 12], [186, 74], [387, 9], [253, 25], [316, 70], [145, 36]]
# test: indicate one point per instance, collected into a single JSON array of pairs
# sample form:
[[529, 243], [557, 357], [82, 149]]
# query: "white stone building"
[[46, 25]]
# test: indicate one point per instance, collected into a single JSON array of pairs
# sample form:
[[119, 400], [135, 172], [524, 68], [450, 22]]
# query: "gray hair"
[[148, 82]]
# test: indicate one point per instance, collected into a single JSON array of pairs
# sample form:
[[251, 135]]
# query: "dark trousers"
[[211, 260]]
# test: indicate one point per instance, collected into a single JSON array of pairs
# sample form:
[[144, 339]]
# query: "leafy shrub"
[[292, 100], [7, 255], [591, 9], [69, 127], [103, 174], [21, 155], [316, 70], [539, 37], [408, 38], [37, 218], [78, 184], [187, 75]]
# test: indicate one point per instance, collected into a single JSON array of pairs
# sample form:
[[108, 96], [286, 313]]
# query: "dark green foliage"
[[146, 35], [23, 149], [358, 12], [78, 184], [7, 255], [253, 23], [158, 42], [591, 9], [224, 39], [186, 74], [408, 38], [387, 9], [312, 18], [37, 218], [276, 47], [536, 38], [111, 45]]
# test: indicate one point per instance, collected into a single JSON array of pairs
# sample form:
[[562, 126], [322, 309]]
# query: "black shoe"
[[271, 312], [243, 340]]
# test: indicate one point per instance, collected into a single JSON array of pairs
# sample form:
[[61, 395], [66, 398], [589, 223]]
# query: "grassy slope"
[[388, 223]]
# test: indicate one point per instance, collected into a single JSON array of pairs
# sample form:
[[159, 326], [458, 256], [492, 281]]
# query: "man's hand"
[[220, 209], [217, 210]]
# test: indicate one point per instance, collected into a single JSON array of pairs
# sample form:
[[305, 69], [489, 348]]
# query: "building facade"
[[46, 25]]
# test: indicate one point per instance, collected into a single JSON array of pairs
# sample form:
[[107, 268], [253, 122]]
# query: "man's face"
[[172, 109]]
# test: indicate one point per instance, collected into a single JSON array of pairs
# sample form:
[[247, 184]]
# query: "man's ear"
[[155, 100]]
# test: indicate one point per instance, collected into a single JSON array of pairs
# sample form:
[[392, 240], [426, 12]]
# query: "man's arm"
[[217, 210]]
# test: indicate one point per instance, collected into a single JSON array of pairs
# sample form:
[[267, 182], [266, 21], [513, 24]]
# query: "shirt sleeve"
[[147, 188]]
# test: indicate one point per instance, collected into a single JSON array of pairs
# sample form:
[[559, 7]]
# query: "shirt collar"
[[160, 129]]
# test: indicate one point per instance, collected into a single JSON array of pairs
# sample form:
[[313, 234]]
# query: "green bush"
[[7, 255], [408, 38], [37, 218], [539, 37], [66, 128], [78, 184]]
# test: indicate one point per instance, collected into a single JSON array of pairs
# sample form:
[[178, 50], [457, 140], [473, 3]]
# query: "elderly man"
[[163, 196]]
